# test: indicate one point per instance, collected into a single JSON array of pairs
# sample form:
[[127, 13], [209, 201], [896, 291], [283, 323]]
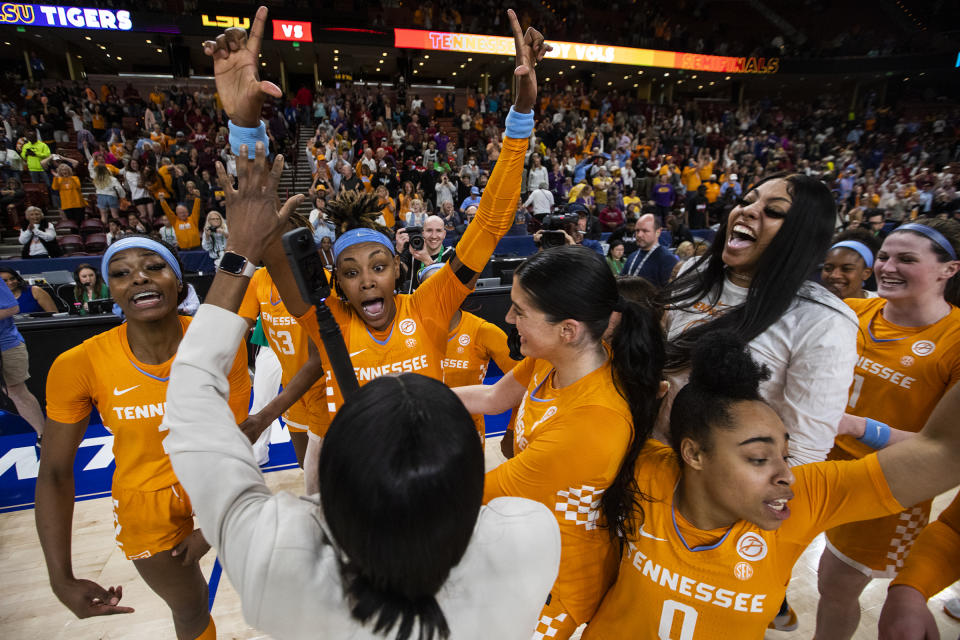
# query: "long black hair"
[[722, 373], [401, 483], [795, 252], [574, 282]]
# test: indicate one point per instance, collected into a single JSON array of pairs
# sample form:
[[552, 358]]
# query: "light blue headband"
[[428, 270], [931, 233], [137, 242], [859, 247], [358, 236]]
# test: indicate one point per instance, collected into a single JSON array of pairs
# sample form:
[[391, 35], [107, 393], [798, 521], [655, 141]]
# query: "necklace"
[[738, 279]]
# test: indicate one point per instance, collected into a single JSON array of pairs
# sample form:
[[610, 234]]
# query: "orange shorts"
[[148, 522], [555, 622], [877, 548], [309, 413]]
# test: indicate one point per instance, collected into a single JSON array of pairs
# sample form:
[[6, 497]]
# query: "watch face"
[[232, 263]]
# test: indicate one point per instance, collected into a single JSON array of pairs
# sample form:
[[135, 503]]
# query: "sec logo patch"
[[906, 361], [464, 340], [743, 571], [752, 547], [923, 347], [411, 343], [408, 326]]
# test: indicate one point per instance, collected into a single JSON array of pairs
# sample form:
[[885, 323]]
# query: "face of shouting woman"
[[753, 223]]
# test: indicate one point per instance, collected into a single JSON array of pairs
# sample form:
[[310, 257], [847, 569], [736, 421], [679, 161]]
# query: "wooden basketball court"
[[30, 611]]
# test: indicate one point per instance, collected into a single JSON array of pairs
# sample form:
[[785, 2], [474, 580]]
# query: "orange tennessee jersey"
[[470, 347], [130, 395], [727, 583], [415, 342], [902, 372], [570, 443], [289, 342], [934, 563]]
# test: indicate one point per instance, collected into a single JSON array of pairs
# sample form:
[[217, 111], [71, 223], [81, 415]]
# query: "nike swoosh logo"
[[650, 535], [357, 352], [118, 392]]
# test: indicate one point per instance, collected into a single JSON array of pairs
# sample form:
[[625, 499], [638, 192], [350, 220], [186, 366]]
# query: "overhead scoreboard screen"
[[44, 15], [582, 52]]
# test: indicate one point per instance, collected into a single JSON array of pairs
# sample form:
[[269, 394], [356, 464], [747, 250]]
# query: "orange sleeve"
[[497, 209], [195, 213], [239, 379], [934, 562], [832, 493], [56, 183], [167, 211], [437, 299], [569, 454], [250, 306], [70, 384], [494, 340], [523, 371]]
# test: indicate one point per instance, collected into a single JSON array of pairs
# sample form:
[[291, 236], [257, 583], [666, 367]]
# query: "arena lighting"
[[581, 52], [162, 76], [352, 30], [42, 15]]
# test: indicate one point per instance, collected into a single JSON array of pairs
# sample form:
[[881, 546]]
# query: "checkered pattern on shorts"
[[546, 628], [912, 521], [579, 505]]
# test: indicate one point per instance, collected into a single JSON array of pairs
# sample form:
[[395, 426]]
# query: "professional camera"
[[415, 234], [552, 225]]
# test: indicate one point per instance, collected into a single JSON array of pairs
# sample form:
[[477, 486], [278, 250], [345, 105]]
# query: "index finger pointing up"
[[256, 31], [517, 38]]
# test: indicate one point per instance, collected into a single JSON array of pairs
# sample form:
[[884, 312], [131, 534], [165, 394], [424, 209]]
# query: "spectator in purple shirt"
[[663, 197]]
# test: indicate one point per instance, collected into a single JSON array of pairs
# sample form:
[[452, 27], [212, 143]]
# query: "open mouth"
[[891, 281], [778, 508], [372, 308], [741, 237], [147, 299]]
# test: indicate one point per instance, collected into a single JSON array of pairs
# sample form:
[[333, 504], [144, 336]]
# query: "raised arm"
[[498, 204]]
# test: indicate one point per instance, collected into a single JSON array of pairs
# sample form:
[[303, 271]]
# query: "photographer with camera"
[[564, 228], [419, 247]]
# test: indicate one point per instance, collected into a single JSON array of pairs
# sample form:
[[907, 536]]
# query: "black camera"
[[415, 234], [552, 234]]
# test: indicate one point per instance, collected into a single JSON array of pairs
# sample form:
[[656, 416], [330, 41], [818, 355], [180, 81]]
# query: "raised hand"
[[531, 48], [255, 220], [236, 70]]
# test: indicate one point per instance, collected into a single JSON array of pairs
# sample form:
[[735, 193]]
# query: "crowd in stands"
[[610, 158], [688, 25]]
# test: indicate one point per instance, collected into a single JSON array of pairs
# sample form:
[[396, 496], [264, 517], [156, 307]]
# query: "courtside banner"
[[503, 46], [93, 466]]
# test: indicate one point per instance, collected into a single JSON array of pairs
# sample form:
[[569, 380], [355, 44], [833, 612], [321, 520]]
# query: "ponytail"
[[401, 503], [575, 282], [387, 610], [637, 358]]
